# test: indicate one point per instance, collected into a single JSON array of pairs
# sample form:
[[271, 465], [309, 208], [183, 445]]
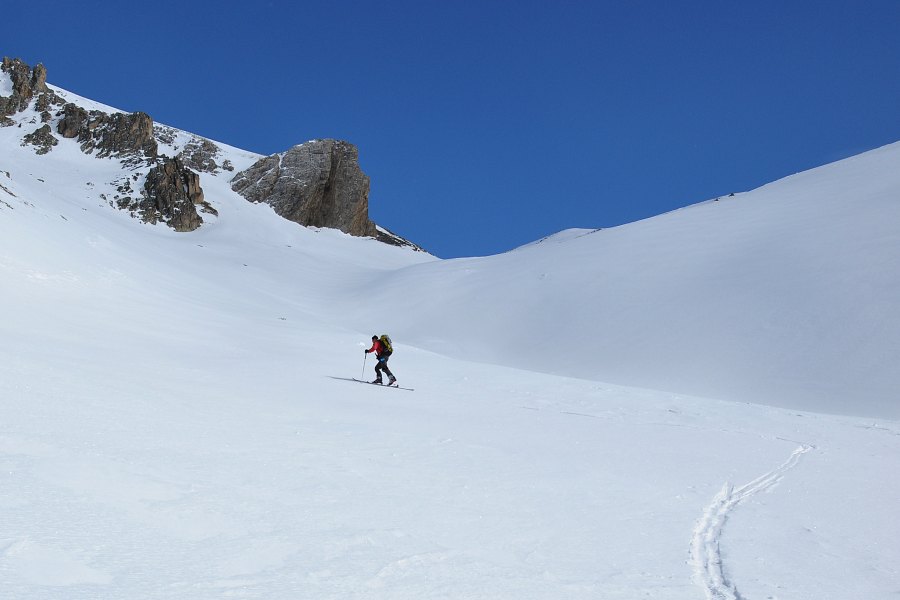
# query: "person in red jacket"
[[382, 354]]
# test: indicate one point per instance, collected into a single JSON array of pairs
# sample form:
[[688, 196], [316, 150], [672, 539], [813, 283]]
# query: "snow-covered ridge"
[[85, 103], [174, 142]]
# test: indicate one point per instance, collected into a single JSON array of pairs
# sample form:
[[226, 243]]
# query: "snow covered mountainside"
[[177, 423], [787, 295]]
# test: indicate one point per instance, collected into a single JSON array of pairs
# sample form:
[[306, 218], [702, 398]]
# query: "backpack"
[[385, 340]]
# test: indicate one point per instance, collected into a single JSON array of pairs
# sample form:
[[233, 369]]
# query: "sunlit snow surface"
[[173, 426]]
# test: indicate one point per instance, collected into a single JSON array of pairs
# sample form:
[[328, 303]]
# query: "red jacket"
[[377, 348]]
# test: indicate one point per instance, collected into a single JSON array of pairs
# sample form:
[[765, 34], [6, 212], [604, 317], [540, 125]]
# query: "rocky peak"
[[318, 184], [26, 84]]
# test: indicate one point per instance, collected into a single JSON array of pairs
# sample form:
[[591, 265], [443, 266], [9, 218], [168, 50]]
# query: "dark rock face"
[[115, 134], [74, 120], [42, 139], [171, 194], [27, 84], [318, 184]]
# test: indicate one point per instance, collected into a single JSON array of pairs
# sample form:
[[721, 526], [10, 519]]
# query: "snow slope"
[[786, 295], [174, 422]]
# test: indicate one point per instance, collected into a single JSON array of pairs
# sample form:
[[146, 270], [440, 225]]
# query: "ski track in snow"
[[705, 555]]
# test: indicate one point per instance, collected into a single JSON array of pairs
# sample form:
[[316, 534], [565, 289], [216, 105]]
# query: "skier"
[[383, 350]]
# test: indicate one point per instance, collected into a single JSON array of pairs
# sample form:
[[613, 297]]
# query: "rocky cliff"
[[317, 184], [110, 135], [172, 194], [26, 84]]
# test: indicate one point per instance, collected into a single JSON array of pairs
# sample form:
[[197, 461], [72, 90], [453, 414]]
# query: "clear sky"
[[484, 125]]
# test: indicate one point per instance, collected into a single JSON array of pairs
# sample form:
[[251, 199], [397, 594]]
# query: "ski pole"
[[365, 358]]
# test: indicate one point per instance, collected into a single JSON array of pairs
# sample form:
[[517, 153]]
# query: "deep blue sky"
[[484, 125]]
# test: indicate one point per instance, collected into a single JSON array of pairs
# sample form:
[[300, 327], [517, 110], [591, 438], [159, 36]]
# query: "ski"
[[390, 385], [397, 387]]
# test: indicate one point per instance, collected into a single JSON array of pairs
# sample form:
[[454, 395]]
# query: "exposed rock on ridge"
[[42, 139], [26, 83], [318, 184], [117, 134], [200, 154], [114, 134], [172, 193]]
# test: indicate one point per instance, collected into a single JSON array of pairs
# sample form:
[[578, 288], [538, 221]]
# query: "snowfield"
[[699, 405]]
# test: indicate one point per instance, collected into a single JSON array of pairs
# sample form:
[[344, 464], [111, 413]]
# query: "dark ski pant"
[[380, 366]]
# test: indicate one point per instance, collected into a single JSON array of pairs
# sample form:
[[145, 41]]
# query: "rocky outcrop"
[[172, 194], [200, 154], [111, 135], [27, 83], [116, 134], [75, 121], [41, 138], [318, 184]]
